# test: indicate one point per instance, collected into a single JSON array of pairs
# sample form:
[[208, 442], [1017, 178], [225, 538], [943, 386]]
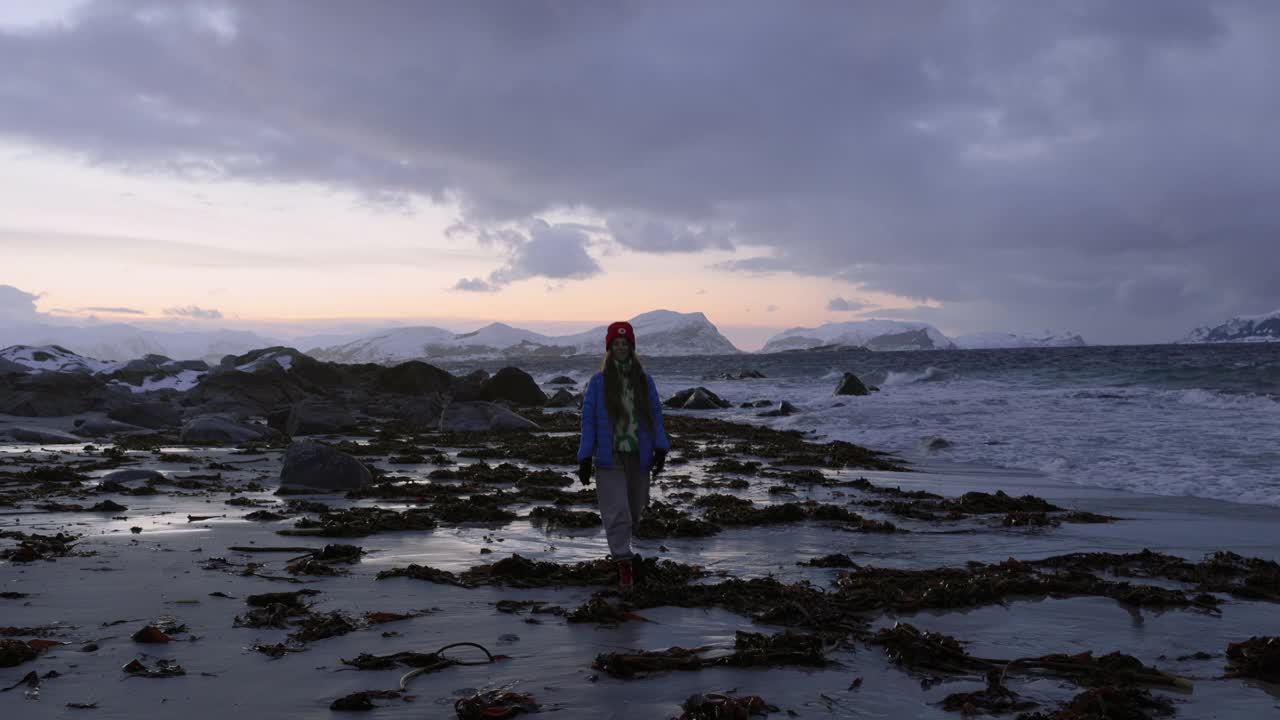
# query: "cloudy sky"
[[1110, 167]]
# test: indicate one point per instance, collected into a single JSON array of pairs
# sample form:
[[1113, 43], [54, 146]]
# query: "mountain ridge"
[[1241, 328]]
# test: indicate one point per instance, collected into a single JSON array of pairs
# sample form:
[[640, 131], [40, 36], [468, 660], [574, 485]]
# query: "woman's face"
[[621, 349]]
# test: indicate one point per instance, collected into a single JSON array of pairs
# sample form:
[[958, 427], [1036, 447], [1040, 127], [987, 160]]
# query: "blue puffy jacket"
[[597, 426]]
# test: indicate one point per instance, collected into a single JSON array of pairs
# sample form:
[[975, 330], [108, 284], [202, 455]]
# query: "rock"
[[756, 404], [278, 419], [751, 375], [414, 378], [422, 412], [133, 475], [136, 371], [784, 408], [43, 436], [467, 388], [563, 398], [851, 385], [480, 416], [51, 394], [312, 465], [151, 414], [698, 398], [317, 417], [9, 367], [938, 443], [101, 427], [235, 391], [219, 430], [562, 380], [513, 385]]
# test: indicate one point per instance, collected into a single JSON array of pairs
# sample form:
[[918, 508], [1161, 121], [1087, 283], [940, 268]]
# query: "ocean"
[[1181, 420]]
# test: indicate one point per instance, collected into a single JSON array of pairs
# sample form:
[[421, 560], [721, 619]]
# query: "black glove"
[[659, 462], [584, 471]]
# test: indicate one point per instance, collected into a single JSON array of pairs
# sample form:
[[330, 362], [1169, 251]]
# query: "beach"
[[114, 582]]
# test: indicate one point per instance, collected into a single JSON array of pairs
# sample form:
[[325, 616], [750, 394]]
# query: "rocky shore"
[[417, 537]]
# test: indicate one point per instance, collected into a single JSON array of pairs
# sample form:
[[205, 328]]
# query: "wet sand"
[[160, 573]]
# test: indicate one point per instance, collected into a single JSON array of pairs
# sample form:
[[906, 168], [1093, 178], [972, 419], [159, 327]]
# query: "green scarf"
[[626, 431]]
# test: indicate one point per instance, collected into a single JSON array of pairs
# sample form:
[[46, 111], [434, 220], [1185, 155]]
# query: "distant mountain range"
[[1241, 328], [1033, 339], [660, 333], [871, 334], [121, 341]]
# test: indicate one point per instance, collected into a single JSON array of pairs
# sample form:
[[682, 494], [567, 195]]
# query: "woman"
[[622, 431]]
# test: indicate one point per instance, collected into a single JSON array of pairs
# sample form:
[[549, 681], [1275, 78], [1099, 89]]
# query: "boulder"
[[9, 367], [312, 465], [513, 385], [51, 394], [740, 375], [278, 419], [102, 426], [234, 391], [756, 404], [784, 408], [133, 475], [414, 378], [562, 380], [43, 436], [467, 388], [480, 416], [420, 412], [151, 414], [563, 398], [318, 417], [698, 398], [219, 430], [851, 385]]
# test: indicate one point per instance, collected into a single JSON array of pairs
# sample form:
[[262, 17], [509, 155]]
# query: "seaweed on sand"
[[750, 650], [1257, 657], [929, 651], [1224, 572], [362, 521], [1109, 703], [558, 517], [519, 571]]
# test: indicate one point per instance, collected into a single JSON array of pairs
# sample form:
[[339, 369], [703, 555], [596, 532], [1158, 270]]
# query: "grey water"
[[1182, 420]]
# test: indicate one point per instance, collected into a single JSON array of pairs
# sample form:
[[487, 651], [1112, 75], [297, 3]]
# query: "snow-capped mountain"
[[121, 341], [1031, 339], [873, 334], [1242, 328], [660, 332], [145, 374], [53, 358]]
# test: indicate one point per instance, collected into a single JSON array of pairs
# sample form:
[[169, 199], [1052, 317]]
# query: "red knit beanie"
[[620, 330]]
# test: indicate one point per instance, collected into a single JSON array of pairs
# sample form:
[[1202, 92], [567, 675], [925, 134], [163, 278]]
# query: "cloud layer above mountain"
[[1101, 165]]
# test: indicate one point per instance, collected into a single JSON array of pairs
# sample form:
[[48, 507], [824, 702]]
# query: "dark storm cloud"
[[1106, 165], [557, 252]]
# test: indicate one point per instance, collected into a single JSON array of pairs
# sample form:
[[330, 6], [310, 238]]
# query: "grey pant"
[[623, 494]]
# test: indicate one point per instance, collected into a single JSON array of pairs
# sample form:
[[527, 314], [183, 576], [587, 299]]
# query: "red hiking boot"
[[626, 575]]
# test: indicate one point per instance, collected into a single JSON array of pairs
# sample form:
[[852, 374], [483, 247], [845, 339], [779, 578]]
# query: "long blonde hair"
[[613, 379]]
